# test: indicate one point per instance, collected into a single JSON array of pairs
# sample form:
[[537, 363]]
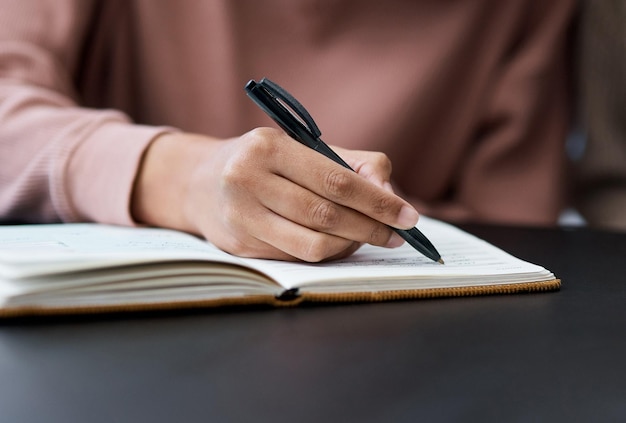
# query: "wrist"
[[164, 178]]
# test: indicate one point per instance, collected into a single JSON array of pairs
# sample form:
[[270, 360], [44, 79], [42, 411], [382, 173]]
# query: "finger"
[[268, 236], [373, 166], [299, 242], [318, 213], [332, 181]]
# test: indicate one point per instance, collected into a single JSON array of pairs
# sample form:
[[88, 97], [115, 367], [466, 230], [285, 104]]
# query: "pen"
[[294, 119]]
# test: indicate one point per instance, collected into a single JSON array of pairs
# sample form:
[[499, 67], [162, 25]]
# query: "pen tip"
[[440, 261]]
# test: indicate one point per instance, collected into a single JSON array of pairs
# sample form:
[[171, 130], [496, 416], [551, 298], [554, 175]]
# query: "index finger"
[[328, 179]]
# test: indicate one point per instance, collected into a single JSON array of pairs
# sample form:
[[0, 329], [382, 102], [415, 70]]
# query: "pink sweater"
[[467, 98]]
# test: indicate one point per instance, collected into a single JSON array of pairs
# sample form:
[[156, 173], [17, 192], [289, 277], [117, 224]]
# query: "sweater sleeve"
[[58, 160]]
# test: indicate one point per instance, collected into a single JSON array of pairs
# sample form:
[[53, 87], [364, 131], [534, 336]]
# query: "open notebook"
[[87, 268]]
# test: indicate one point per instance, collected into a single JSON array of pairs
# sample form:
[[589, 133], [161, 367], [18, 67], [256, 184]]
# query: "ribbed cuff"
[[96, 180]]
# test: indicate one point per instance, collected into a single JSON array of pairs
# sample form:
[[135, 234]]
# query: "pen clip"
[[293, 106]]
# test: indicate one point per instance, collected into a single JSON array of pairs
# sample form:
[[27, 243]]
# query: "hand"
[[265, 195]]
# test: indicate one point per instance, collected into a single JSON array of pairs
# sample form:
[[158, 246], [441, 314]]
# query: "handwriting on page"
[[50, 243], [455, 256], [32, 247]]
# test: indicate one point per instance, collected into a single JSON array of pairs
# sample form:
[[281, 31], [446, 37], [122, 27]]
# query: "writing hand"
[[263, 195]]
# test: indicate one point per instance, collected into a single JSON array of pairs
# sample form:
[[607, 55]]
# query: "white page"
[[469, 261], [42, 249], [29, 251]]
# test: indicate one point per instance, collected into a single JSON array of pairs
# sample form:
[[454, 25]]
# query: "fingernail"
[[394, 241], [408, 217]]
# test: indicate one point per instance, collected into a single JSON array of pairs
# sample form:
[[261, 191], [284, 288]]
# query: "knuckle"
[[384, 204], [324, 215], [320, 248], [259, 143], [232, 174], [255, 148], [338, 183], [234, 171], [382, 161], [260, 134], [379, 235]]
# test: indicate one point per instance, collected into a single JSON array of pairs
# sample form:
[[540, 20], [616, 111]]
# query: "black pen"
[[293, 118]]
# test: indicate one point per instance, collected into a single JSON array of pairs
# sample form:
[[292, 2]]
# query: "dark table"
[[535, 357]]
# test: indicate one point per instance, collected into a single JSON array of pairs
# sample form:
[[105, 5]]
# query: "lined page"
[[469, 261], [32, 250]]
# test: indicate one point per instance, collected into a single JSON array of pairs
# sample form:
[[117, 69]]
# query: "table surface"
[[531, 357]]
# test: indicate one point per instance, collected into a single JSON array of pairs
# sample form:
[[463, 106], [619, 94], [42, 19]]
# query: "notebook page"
[[43, 249], [469, 261]]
